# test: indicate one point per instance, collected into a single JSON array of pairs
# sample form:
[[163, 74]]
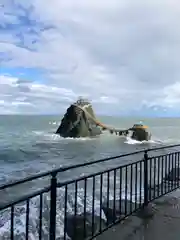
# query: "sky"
[[123, 55]]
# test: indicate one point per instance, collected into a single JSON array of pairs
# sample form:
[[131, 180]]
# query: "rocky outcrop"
[[78, 121], [81, 227], [118, 209], [140, 133]]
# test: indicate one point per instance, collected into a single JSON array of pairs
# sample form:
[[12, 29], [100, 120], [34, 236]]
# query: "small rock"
[[120, 210], [146, 212], [75, 226]]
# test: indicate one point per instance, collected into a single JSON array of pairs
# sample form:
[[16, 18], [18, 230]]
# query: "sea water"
[[29, 146]]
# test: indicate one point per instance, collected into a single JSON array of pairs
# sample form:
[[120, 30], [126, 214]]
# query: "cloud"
[[169, 98], [30, 97], [121, 54]]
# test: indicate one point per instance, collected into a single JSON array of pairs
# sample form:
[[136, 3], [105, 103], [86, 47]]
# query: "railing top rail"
[[160, 148], [70, 167]]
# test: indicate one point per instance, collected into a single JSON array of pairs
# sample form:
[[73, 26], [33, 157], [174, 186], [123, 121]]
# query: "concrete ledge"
[[161, 220]]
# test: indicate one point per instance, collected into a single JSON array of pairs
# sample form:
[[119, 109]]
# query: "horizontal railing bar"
[[24, 180], [25, 198], [162, 155], [160, 148], [67, 182], [63, 169], [101, 171], [70, 167], [163, 194]]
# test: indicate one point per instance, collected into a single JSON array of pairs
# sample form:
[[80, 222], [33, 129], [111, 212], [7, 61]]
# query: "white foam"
[[105, 136], [133, 141], [54, 123], [20, 212], [53, 136]]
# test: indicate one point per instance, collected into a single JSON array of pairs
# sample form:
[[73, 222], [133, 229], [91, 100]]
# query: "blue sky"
[[123, 55]]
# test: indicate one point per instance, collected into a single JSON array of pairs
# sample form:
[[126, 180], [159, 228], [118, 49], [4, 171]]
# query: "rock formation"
[[140, 132], [79, 121]]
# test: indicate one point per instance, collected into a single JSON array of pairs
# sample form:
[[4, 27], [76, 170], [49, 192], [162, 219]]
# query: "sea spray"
[[34, 207]]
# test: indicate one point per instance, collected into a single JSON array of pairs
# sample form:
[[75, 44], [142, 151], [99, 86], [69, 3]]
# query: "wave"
[[54, 123], [157, 141], [131, 141], [50, 135], [53, 136]]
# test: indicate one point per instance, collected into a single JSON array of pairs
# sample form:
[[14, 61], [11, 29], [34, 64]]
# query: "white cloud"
[[117, 53], [169, 97], [31, 97], [7, 80]]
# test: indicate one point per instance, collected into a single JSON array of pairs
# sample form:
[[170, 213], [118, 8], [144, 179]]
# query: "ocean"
[[29, 146]]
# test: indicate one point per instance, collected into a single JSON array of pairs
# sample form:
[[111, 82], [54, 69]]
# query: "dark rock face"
[[78, 122], [127, 207], [82, 226], [141, 134], [75, 226], [173, 175], [121, 209]]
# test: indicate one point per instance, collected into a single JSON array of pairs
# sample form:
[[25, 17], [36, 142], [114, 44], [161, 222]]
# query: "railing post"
[[145, 178], [53, 207]]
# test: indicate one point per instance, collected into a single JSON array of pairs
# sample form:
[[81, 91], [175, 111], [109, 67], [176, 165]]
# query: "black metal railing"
[[85, 206]]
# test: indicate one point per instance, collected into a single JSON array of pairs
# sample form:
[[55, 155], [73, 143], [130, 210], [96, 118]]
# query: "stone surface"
[[146, 212], [140, 134], [163, 224], [120, 210], [75, 226], [163, 188], [77, 122]]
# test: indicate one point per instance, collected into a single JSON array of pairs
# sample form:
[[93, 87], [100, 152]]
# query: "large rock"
[[127, 208], [78, 121], [140, 132], [75, 226], [140, 135]]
